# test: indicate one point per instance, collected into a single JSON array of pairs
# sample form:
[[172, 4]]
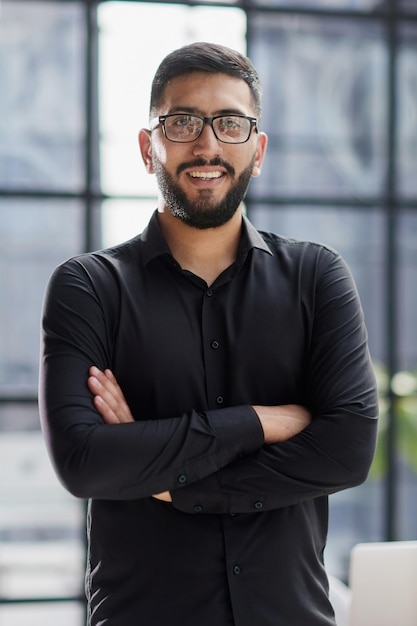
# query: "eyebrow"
[[195, 111]]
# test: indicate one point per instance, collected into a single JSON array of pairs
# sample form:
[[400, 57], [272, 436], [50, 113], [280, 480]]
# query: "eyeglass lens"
[[227, 128]]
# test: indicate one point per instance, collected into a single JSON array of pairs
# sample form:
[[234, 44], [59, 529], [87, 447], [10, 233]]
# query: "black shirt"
[[242, 543]]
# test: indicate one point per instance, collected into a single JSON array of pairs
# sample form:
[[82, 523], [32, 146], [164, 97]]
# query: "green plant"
[[402, 392]]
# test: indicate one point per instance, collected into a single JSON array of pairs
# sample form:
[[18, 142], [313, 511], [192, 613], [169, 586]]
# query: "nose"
[[207, 143]]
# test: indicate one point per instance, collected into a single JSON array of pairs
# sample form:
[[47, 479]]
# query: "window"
[[339, 80]]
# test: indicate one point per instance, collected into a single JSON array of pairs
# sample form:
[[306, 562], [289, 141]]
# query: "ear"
[[260, 154], [145, 146]]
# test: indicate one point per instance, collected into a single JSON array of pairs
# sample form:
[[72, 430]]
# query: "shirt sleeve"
[[335, 452], [119, 461]]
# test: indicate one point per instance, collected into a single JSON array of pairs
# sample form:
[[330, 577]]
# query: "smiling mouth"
[[206, 175]]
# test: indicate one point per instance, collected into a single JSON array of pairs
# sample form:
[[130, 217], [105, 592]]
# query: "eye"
[[231, 122], [230, 125], [181, 121]]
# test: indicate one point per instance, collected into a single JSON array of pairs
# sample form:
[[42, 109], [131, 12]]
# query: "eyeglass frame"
[[206, 120]]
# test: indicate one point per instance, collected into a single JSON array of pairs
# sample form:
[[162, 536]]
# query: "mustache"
[[217, 161]]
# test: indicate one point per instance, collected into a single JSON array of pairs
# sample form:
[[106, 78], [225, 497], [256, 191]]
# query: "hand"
[[282, 422], [108, 397], [165, 496], [112, 406]]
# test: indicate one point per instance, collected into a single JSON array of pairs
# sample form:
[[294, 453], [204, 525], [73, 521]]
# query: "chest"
[[183, 346]]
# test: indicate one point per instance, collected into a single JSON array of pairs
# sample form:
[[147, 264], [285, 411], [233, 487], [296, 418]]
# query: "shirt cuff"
[[238, 429]]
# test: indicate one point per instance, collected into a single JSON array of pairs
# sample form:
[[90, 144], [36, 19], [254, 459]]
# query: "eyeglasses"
[[184, 128]]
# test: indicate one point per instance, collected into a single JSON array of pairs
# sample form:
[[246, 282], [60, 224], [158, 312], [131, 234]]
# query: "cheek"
[[161, 153], [249, 164]]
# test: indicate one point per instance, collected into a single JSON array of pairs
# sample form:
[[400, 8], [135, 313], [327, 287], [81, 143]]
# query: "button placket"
[[233, 534], [212, 323]]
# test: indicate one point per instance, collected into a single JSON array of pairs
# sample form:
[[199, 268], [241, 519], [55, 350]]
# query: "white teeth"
[[205, 174]]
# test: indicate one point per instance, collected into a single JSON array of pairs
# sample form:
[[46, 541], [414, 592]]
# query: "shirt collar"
[[155, 244], [251, 238]]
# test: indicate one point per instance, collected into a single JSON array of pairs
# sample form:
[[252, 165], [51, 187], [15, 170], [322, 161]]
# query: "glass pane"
[[42, 550], [325, 105], [18, 416], [407, 111], [123, 219], [404, 383], [407, 462], [34, 237], [125, 80], [342, 5], [63, 613], [41, 105], [354, 517], [407, 290], [409, 5]]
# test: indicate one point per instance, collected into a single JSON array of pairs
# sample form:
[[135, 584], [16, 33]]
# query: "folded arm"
[[279, 423], [215, 457], [128, 460], [335, 452]]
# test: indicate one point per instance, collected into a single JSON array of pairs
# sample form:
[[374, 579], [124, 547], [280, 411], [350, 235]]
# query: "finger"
[[104, 384], [100, 402], [114, 386], [109, 374], [111, 405], [107, 387], [105, 411]]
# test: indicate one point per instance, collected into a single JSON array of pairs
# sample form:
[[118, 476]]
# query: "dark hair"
[[205, 57]]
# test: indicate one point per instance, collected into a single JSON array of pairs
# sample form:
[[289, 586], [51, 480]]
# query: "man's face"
[[203, 182]]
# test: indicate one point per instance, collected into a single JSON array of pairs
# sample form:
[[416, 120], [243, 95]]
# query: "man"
[[204, 385]]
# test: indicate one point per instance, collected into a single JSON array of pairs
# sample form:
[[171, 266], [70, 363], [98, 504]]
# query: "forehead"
[[208, 93]]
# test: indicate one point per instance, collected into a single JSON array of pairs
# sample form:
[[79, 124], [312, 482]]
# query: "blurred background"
[[340, 108]]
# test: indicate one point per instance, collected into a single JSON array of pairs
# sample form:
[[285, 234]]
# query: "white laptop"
[[383, 583]]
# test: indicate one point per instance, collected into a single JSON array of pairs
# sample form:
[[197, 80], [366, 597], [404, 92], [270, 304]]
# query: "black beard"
[[203, 213]]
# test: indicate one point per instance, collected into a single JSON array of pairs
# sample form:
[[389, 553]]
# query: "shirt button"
[[209, 293], [258, 505], [236, 570], [197, 508], [215, 344], [182, 478], [219, 399]]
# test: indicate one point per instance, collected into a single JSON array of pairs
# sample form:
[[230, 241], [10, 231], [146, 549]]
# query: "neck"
[[206, 253]]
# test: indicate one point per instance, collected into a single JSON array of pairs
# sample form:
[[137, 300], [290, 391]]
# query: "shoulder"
[[278, 243], [102, 262], [286, 247], [300, 253], [99, 276], [312, 264]]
